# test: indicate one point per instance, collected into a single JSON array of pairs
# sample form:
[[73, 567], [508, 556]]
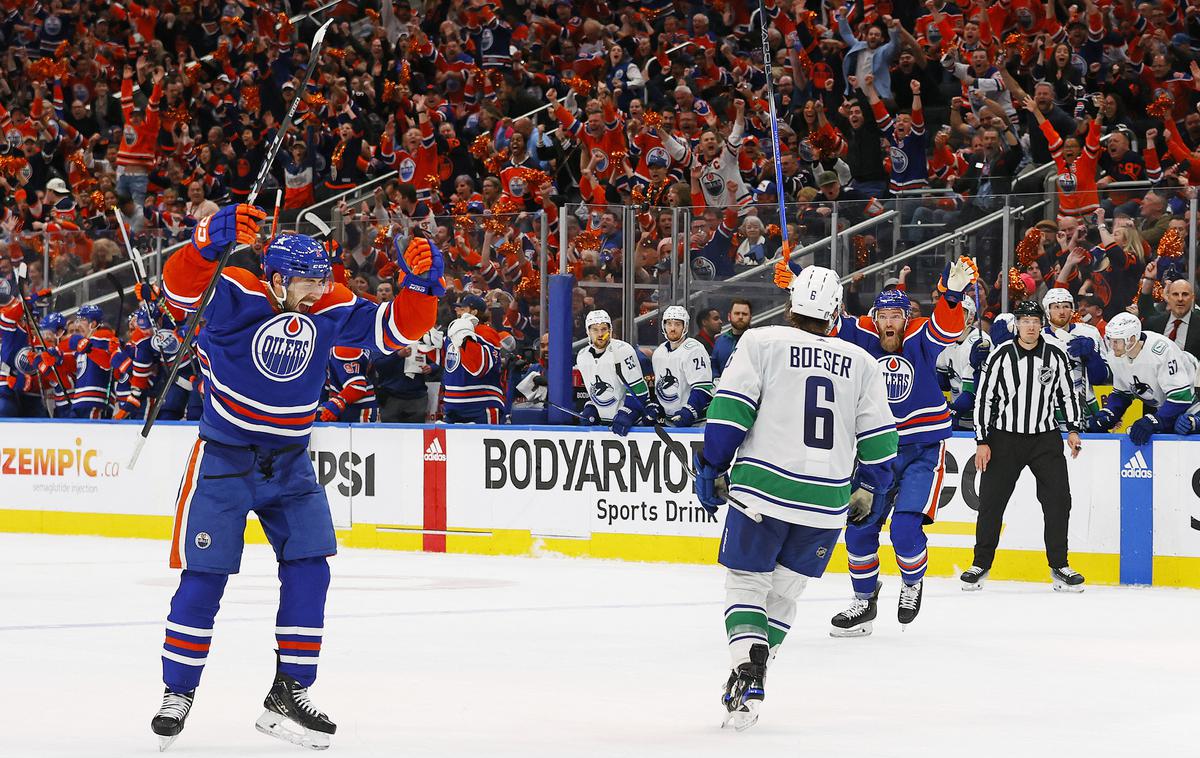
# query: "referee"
[[1024, 382]]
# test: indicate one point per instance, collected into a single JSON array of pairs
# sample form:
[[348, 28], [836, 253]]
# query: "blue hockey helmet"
[[142, 320], [90, 312], [296, 255], [53, 322], [892, 299]]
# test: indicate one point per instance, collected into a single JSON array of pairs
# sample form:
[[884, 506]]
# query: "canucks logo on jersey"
[[283, 346], [601, 392], [1141, 389], [666, 387], [897, 377]]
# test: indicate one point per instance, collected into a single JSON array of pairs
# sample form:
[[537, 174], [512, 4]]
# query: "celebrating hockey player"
[[683, 382], [612, 376], [472, 380], [1151, 367], [263, 352], [781, 383], [907, 350]]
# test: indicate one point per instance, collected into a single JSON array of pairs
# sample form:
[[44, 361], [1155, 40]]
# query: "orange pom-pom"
[[773, 230], [481, 148], [1029, 249], [587, 240], [652, 119], [1161, 107], [405, 74], [97, 199], [1016, 287], [1171, 244], [529, 289], [862, 255], [251, 98], [495, 224]]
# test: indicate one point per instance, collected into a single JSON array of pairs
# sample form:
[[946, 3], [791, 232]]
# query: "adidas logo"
[[1136, 468], [435, 452]]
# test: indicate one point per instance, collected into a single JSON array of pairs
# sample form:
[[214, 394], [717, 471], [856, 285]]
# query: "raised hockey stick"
[[191, 327], [20, 272], [785, 252], [135, 257], [681, 452]]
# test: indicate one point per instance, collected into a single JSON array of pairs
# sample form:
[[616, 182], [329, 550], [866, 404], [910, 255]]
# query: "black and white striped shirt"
[[1019, 391]]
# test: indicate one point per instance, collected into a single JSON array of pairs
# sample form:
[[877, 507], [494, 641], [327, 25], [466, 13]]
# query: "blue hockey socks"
[[190, 628], [299, 625]]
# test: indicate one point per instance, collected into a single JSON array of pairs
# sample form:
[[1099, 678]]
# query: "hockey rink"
[[445, 655]]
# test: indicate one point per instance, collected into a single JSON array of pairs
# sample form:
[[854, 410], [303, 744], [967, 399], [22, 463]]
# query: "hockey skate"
[[973, 578], [172, 714], [1066, 579], [744, 690], [291, 716], [856, 620], [910, 602]]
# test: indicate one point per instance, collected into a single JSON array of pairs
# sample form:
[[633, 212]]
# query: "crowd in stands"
[[489, 119]]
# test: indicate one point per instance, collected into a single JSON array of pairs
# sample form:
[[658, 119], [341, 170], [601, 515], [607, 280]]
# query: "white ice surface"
[[441, 655]]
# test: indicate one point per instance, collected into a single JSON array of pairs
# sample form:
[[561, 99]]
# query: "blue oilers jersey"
[[910, 376], [264, 369], [472, 379], [347, 379]]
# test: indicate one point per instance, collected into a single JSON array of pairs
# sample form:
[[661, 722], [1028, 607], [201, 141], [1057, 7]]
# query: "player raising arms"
[[907, 351], [784, 381], [263, 351]]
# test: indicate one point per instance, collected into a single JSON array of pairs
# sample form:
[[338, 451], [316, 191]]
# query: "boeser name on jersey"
[[614, 466]]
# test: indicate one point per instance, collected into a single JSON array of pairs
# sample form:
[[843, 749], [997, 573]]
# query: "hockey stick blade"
[[323, 229], [579, 416], [680, 450], [191, 327]]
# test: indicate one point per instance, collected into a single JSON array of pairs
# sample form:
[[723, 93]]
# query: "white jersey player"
[[683, 380], [795, 410], [1150, 367], [956, 367], [612, 375], [1083, 344]]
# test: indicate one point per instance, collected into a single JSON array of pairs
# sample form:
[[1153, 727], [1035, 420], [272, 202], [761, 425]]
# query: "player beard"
[[890, 342]]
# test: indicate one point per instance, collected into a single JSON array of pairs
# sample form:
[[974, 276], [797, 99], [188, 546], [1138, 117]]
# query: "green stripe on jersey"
[[831, 496], [639, 388], [1181, 396], [745, 622], [725, 408], [878, 447]]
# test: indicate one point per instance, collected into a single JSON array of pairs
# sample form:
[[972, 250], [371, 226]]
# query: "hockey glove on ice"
[[1142, 430], [423, 265], [711, 485], [232, 224]]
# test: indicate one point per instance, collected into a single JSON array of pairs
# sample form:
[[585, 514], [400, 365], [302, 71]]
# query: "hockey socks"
[[909, 542], [786, 586], [759, 608], [862, 548], [190, 628], [299, 625]]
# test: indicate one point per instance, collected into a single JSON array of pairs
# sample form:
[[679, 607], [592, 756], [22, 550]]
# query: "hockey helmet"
[[6, 291], [1056, 295], [816, 292], [674, 313], [90, 312], [53, 322], [892, 299], [1126, 329], [596, 317], [1028, 308], [296, 255]]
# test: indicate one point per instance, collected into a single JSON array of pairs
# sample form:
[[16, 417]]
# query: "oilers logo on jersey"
[[599, 161], [658, 154], [283, 346], [453, 357], [516, 187], [899, 160], [712, 182], [407, 169], [486, 39], [1066, 182], [898, 377]]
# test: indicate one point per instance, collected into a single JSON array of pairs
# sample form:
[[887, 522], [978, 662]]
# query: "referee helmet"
[[1029, 308]]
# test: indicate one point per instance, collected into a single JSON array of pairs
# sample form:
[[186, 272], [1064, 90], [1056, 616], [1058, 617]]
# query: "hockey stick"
[[116, 285], [19, 271], [139, 264], [785, 252], [191, 327], [680, 450], [579, 416], [323, 229]]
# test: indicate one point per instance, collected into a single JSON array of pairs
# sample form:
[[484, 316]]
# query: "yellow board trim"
[[1016, 565]]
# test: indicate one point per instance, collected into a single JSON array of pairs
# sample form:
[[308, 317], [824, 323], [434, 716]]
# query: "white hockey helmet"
[[1124, 328], [816, 292], [675, 313], [597, 316], [1056, 295]]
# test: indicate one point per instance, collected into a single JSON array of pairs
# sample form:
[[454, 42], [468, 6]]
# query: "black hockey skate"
[[292, 717], [910, 602], [1066, 579], [856, 620], [744, 691], [172, 714], [973, 578]]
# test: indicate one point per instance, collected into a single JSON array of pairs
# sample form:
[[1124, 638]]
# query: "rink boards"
[[533, 490]]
